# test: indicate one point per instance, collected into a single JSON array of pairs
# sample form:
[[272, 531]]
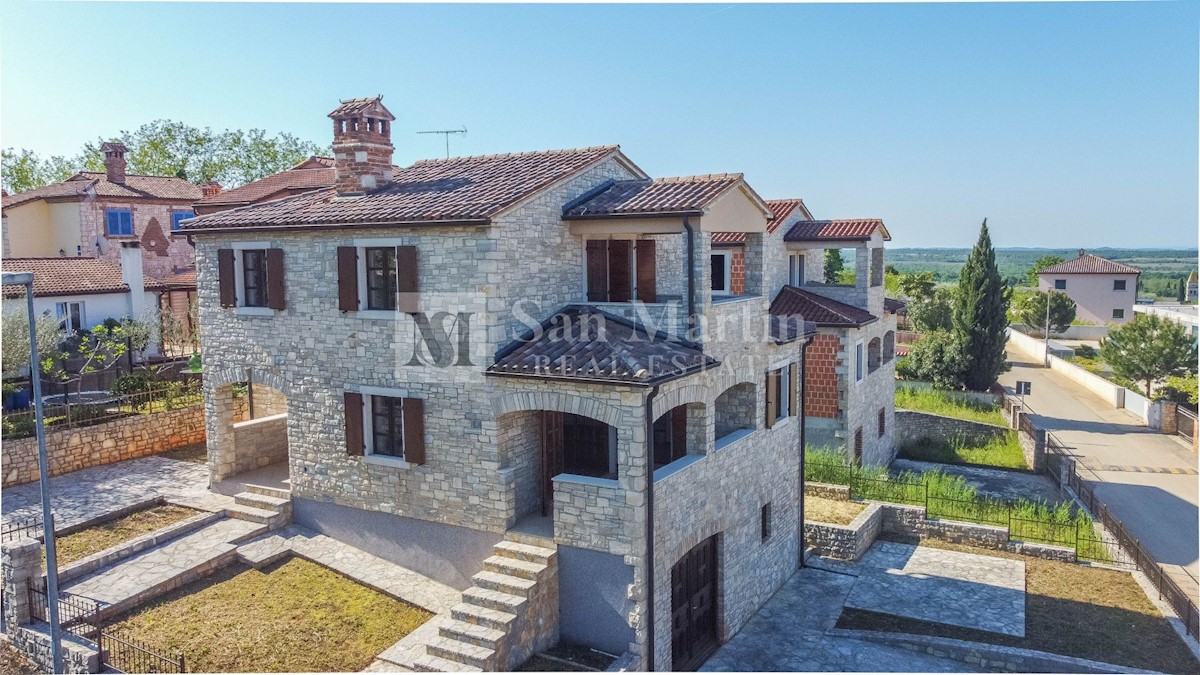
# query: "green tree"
[[1031, 275], [1181, 389], [937, 358], [916, 285], [834, 264], [25, 170], [85, 352], [981, 315], [14, 348], [1148, 349], [934, 312], [1031, 310], [1181, 293]]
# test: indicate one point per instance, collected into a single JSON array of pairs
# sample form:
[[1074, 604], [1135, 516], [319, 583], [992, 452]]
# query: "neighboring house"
[[1104, 291], [1187, 316], [312, 173], [540, 347], [1192, 292], [91, 214], [84, 292]]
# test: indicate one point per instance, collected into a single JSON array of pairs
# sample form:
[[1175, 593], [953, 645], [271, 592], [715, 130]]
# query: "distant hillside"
[[1160, 267]]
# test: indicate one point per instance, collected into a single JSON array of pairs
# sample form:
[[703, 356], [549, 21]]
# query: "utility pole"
[[1046, 335], [447, 133]]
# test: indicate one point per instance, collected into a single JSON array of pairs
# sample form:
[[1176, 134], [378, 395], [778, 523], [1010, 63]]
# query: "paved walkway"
[[789, 634], [86, 494], [1162, 508]]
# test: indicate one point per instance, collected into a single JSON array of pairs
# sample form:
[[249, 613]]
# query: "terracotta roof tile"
[[184, 279], [780, 208], [71, 276], [850, 229], [460, 189], [684, 194], [92, 182], [822, 311], [583, 343], [1087, 263], [287, 182]]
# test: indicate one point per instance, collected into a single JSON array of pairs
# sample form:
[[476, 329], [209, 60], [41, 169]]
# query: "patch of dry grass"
[[1074, 610], [294, 616], [13, 662], [81, 544], [196, 453], [834, 511]]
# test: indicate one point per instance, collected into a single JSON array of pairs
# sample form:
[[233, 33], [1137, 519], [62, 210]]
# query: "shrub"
[[1086, 352], [905, 369], [938, 358]]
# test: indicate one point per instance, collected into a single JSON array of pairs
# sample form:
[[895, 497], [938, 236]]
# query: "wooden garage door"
[[694, 607]]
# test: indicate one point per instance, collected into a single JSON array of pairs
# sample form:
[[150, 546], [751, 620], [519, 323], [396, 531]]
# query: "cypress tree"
[[981, 315]]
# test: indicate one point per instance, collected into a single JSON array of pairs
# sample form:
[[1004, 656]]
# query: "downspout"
[[650, 528], [691, 269], [803, 395]]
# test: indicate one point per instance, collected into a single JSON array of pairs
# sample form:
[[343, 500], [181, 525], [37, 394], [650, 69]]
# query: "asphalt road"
[[1127, 464]]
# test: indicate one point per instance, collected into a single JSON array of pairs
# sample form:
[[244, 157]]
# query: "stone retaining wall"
[[828, 491], [910, 524], [912, 426], [845, 542], [259, 442], [126, 438]]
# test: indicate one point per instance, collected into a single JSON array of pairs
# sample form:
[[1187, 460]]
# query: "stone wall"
[[735, 409], [260, 442], [163, 254], [912, 426], [845, 542], [838, 492], [910, 524], [126, 438]]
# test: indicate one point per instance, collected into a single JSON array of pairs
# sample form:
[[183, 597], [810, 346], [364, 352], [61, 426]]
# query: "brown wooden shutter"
[[620, 270], [794, 389], [647, 288], [347, 268], [275, 293], [597, 270], [772, 397], [225, 278], [678, 432], [408, 298], [354, 424], [414, 431]]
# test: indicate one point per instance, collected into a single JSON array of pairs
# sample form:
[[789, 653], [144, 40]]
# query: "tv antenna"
[[446, 133]]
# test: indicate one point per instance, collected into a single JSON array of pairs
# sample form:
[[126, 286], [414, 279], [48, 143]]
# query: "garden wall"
[[845, 542], [260, 442], [913, 426], [126, 438]]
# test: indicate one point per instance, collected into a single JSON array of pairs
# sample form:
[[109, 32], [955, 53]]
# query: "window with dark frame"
[[1060, 284], [381, 278], [765, 521], [1118, 314], [882, 421], [720, 268], [858, 446], [1118, 284], [387, 426], [254, 277]]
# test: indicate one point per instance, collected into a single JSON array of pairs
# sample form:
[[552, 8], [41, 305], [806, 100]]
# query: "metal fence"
[[76, 614], [121, 652], [99, 409], [1185, 423], [16, 528]]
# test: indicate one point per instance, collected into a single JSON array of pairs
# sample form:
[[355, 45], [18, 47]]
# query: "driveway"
[[1129, 466]]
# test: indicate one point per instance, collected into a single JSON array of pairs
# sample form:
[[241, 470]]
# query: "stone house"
[[311, 174], [1104, 291], [536, 350]]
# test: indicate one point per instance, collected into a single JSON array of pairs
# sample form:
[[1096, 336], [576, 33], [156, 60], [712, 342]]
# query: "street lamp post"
[[1046, 335], [26, 279]]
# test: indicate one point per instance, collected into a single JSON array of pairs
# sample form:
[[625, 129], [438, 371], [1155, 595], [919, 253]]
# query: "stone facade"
[[845, 542], [126, 438], [911, 426], [164, 254], [260, 442]]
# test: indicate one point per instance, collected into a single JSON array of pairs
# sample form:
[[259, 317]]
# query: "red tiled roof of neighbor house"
[[820, 310], [70, 276], [848, 229], [1087, 263], [181, 280], [599, 346], [432, 191], [681, 195], [780, 209], [87, 183], [311, 174]]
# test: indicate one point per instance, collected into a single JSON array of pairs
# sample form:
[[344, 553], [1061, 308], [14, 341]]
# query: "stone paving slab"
[[369, 570], [949, 587], [789, 634], [160, 566], [84, 495]]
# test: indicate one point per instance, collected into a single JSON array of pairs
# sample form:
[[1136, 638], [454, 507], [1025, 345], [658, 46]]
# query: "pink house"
[[1104, 291]]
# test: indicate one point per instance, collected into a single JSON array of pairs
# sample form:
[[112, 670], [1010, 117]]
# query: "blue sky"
[[1066, 124]]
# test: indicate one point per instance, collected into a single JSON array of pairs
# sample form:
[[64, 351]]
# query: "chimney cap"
[[362, 107], [113, 147]]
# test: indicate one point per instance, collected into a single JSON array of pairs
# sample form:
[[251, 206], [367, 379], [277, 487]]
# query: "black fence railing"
[[122, 652], [77, 614], [1185, 423], [16, 528], [97, 408]]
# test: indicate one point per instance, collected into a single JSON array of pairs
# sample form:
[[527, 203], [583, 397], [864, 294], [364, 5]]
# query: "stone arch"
[[691, 393], [889, 346], [217, 377], [559, 402], [873, 355], [736, 408], [244, 436]]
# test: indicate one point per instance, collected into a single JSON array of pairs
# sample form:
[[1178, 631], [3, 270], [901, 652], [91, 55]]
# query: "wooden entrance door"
[[552, 456], [694, 607]]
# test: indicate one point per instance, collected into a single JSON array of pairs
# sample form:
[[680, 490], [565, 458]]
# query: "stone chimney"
[[210, 188], [134, 278], [114, 161], [362, 145]]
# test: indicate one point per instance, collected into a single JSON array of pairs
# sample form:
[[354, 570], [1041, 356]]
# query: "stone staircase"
[[510, 613], [264, 505]]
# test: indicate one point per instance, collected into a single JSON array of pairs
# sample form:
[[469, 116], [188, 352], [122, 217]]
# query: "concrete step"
[[482, 616], [480, 636], [504, 602], [530, 539], [504, 583], [461, 652], [513, 567], [265, 502], [513, 549], [269, 491], [256, 515], [428, 663]]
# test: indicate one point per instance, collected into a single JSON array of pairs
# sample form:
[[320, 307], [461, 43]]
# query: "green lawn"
[[1004, 452], [942, 403]]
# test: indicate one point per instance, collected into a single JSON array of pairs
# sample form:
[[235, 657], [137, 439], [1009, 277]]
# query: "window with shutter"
[[254, 277], [354, 423], [772, 397], [647, 284], [597, 270], [620, 270], [226, 279], [408, 298], [414, 430], [276, 295], [347, 265], [794, 389], [381, 277]]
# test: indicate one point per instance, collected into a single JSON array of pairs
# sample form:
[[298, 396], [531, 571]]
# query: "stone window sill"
[[379, 314], [386, 461], [255, 311], [676, 466], [576, 479], [731, 438]]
